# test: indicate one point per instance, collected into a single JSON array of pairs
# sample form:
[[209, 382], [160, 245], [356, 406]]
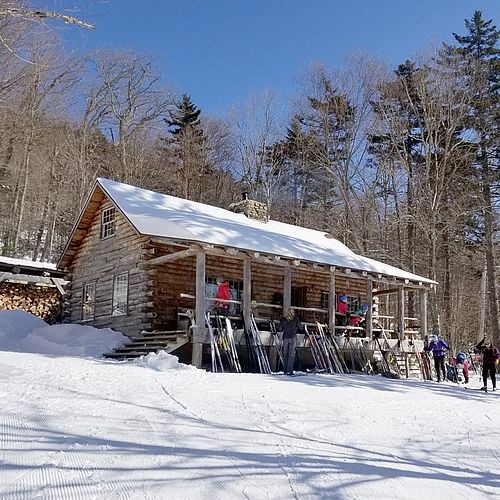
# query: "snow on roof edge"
[[150, 224]]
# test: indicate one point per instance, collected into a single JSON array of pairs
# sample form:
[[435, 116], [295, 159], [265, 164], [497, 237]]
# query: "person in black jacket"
[[490, 359], [290, 325]]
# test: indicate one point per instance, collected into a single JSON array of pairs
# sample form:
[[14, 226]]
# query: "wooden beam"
[[384, 292], [3, 276], [278, 260], [56, 282], [401, 311], [369, 311], [423, 313], [182, 254], [196, 358], [287, 288], [247, 290], [331, 301]]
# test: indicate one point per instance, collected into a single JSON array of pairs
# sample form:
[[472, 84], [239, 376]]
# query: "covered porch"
[[264, 285]]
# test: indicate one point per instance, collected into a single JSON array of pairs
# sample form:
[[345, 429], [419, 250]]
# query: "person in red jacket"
[[222, 293], [341, 313]]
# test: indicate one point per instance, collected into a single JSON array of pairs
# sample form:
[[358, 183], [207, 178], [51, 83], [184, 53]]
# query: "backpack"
[[460, 358]]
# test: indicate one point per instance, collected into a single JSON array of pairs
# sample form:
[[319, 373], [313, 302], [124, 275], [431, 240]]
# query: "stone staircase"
[[147, 342]]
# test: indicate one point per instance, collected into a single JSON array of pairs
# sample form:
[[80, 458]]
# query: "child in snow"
[[490, 360], [437, 346], [461, 365]]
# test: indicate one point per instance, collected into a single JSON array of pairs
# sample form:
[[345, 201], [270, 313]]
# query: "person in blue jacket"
[[437, 346]]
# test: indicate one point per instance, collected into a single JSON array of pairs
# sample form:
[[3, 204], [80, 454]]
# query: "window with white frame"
[[120, 295], [88, 302], [108, 218]]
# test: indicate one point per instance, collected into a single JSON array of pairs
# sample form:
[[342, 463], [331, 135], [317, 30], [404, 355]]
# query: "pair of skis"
[[222, 344], [325, 351], [276, 341], [358, 356], [257, 351], [424, 364]]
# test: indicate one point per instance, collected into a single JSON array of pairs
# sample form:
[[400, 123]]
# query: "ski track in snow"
[[85, 429], [283, 451], [279, 444]]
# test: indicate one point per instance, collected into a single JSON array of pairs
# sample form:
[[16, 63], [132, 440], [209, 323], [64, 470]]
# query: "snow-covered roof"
[[28, 271], [26, 263], [156, 214]]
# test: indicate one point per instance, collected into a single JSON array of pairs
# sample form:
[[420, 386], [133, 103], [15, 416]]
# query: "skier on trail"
[[490, 360], [437, 346], [290, 325]]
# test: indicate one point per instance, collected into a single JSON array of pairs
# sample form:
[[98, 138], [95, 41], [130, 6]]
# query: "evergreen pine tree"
[[184, 115], [480, 58], [187, 151]]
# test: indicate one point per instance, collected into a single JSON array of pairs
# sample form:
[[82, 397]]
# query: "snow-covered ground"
[[75, 426]]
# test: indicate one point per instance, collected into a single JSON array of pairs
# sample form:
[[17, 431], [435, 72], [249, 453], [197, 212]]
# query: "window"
[[120, 295], [108, 218], [235, 290], [324, 300], [88, 302], [299, 296], [352, 301]]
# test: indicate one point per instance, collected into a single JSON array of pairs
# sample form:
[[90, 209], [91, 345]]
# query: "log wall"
[[100, 260], [177, 277]]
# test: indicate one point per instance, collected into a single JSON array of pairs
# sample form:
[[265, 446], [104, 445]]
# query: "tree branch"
[[38, 14]]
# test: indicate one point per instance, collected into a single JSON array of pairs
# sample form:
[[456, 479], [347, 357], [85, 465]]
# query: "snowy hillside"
[[74, 426]]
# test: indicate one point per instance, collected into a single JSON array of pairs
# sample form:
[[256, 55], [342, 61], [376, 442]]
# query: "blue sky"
[[222, 51]]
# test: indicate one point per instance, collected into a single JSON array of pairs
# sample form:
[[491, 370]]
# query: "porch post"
[[247, 290], [369, 311], [401, 311], [196, 358], [331, 302], [423, 313], [287, 289]]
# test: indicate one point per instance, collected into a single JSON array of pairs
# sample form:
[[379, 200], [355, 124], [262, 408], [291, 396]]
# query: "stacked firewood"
[[42, 301]]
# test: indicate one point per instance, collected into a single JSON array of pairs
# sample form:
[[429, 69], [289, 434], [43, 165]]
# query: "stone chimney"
[[251, 208]]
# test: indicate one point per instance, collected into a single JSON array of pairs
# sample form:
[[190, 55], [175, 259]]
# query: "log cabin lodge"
[[139, 261]]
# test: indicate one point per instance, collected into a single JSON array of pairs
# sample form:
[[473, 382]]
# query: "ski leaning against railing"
[[321, 358], [310, 341], [391, 350], [257, 347], [325, 351], [232, 344], [226, 342], [276, 341], [423, 363], [333, 349], [386, 369], [214, 346]]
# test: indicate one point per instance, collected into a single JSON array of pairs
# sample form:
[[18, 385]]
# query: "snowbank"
[[23, 332], [15, 325], [163, 362]]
